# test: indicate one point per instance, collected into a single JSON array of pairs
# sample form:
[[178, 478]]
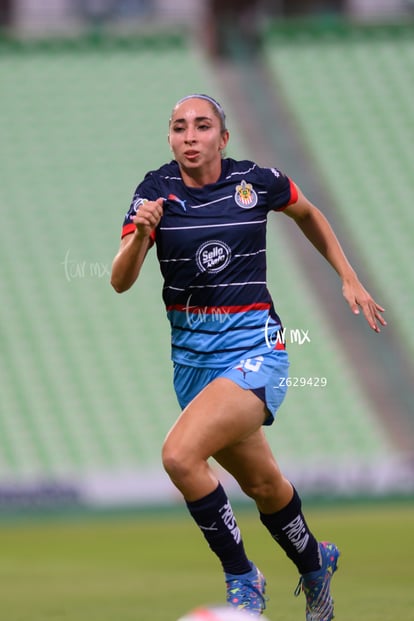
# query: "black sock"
[[288, 527], [215, 518]]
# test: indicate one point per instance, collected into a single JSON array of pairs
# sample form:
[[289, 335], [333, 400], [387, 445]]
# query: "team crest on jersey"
[[213, 256], [245, 196]]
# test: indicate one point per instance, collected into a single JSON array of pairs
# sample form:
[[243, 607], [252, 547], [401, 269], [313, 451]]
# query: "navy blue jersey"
[[211, 246]]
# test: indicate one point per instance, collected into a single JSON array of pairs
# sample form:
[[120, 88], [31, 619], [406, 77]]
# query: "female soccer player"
[[207, 216]]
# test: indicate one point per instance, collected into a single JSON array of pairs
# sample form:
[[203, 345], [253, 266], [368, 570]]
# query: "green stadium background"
[[85, 383]]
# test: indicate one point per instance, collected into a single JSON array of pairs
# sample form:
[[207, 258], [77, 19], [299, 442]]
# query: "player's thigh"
[[222, 414]]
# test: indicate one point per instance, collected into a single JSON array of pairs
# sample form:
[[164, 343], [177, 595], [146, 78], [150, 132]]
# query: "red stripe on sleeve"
[[293, 193], [127, 229]]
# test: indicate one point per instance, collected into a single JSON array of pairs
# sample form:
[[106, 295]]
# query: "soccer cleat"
[[316, 585], [247, 591]]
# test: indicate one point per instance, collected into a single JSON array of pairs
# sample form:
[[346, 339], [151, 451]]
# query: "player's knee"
[[261, 490], [175, 464]]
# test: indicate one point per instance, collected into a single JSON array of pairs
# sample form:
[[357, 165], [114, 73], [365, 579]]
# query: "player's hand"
[[359, 298], [148, 216]]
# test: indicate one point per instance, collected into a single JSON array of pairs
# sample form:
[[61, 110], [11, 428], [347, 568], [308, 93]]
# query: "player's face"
[[196, 138]]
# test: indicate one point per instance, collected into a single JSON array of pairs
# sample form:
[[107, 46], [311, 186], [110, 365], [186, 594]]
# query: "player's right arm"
[[127, 263]]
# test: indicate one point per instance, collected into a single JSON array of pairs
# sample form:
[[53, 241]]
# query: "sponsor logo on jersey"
[[276, 172], [245, 196], [173, 197], [213, 256]]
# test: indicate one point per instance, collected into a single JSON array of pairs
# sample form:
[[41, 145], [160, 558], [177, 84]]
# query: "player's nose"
[[189, 135]]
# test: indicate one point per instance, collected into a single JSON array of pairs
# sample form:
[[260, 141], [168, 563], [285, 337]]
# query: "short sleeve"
[[282, 192], [146, 191]]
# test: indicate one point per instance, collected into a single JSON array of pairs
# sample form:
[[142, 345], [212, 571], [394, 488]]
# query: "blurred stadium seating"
[[85, 380], [351, 96]]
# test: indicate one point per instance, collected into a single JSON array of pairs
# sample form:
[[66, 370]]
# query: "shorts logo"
[[245, 196], [213, 256], [249, 365]]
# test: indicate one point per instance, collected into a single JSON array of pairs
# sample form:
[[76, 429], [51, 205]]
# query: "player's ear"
[[225, 136]]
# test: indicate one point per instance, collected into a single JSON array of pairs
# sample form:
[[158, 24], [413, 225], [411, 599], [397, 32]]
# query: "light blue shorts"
[[265, 375]]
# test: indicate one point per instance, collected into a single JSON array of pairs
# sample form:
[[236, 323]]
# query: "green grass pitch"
[[156, 567]]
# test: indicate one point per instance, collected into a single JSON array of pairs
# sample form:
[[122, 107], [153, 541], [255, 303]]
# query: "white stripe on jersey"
[[223, 198], [249, 254], [225, 284], [209, 226], [241, 172], [229, 284], [175, 260], [219, 200], [235, 256]]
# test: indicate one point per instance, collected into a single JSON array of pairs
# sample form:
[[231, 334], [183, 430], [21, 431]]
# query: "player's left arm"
[[317, 229]]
